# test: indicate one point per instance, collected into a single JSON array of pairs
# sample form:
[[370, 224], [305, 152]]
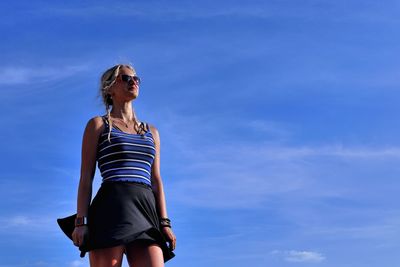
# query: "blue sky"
[[278, 121]]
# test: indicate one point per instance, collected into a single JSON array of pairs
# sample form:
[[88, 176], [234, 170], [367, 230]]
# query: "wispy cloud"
[[385, 227], [164, 12], [269, 127], [251, 173], [29, 264], [332, 150], [29, 226], [328, 11], [78, 263], [16, 75], [300, 256], [227, 172], [22, 223], [19, 221]]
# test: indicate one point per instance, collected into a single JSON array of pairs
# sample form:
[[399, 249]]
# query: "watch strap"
[[81, 221]]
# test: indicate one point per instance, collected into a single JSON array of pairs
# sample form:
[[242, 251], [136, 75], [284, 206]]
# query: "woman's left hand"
[[169, 235]]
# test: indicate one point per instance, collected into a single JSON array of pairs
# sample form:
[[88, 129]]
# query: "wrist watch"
[[80, 221]]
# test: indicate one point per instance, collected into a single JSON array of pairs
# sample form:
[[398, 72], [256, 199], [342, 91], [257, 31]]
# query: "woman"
[[128, 214]]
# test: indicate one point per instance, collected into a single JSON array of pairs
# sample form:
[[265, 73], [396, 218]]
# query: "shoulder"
[[95, 125], [154, 132]]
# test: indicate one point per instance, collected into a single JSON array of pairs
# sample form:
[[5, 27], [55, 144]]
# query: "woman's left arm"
[[158, 189]]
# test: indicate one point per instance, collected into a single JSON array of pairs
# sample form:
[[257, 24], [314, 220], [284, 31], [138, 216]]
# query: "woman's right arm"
[[91, 135]]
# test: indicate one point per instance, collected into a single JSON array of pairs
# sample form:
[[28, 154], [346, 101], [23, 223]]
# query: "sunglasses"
[[129, 79]]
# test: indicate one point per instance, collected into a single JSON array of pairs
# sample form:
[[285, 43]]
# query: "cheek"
[[111, 91], [115, 90]]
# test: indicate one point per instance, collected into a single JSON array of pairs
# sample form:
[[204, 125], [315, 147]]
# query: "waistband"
[[128, 183]]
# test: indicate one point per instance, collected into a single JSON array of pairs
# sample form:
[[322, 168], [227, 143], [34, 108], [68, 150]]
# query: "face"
[[126, 86]]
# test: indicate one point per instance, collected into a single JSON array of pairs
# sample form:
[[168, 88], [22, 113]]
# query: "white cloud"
[[227, 176], [300, 256], [386, 228], [16, 75], [29, 264], [332, 150], [303, 256], [28, 225], [20, 220], [77, 263], [221, 172]]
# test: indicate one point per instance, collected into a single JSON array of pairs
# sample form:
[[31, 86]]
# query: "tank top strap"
[[147, 127], [105, 120]]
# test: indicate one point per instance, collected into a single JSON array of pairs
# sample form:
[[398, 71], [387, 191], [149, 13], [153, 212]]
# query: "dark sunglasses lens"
[[136, 79], [127, 78]]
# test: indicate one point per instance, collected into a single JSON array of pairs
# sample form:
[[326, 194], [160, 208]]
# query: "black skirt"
[[121, 213]]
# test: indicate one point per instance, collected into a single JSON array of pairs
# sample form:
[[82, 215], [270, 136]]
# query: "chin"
[[134, 94]]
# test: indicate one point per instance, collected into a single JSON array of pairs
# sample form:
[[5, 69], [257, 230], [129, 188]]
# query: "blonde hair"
[[106, 82]]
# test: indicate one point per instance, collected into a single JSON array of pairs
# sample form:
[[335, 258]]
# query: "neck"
[[123, 111]]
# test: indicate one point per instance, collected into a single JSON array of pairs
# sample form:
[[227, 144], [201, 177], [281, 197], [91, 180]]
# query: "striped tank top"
[[128, 157]]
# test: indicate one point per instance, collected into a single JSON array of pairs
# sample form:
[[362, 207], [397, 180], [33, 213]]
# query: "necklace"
[[125, 123], [136, 127]]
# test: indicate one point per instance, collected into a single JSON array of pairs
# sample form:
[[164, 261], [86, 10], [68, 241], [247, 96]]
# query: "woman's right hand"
[[79, 235]]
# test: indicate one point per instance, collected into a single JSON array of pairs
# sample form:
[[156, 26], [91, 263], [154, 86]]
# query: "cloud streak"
[[77, 263], [27, 224], [250, 174], [271, 10], [220, 171], [302, 256], [15, 75]]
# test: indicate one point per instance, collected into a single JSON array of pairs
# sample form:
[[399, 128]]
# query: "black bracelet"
[[165, 222]]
